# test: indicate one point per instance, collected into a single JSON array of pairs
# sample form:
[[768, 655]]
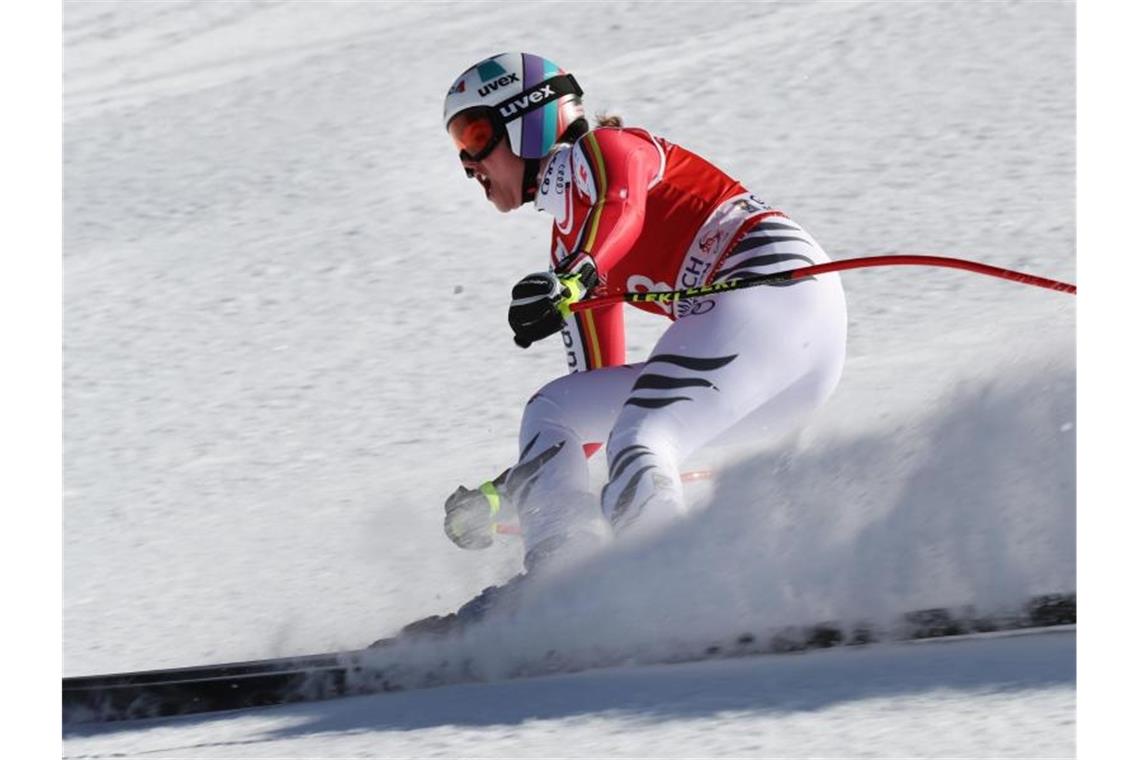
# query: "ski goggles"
[[476, 132]]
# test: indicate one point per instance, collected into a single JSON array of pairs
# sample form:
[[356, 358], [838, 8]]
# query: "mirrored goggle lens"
[[475, 134]]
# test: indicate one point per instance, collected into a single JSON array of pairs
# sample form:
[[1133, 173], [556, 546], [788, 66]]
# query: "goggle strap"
[[537, 96]]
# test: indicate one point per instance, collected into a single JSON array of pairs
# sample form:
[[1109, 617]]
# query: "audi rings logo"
[[694, 307]]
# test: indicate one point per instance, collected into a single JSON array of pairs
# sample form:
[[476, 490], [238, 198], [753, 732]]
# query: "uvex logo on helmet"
[[502, 81], [526, 102]]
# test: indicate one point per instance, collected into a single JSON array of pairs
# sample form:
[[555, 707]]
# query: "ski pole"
[[750, 281]]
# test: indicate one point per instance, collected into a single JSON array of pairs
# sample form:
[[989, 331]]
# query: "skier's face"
[[501, 175]]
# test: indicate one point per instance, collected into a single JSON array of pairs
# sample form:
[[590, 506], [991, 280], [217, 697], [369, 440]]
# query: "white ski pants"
[[755, 361]]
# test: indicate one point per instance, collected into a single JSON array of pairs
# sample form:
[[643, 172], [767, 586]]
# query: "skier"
[[632, 211]]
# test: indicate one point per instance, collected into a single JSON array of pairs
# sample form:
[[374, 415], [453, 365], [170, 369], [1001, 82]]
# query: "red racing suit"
[[654, 217]]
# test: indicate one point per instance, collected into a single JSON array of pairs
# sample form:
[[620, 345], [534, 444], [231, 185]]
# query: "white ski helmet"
[[524, 97]]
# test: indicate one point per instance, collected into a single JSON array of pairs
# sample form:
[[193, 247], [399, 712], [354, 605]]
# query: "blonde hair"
[[607, 120]]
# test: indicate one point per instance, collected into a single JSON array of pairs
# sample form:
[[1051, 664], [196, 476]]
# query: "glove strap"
[[492, 495], [578, 274], [576, 289]]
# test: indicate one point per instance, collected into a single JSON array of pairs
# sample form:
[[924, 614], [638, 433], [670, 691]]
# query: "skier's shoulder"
[[614, 140], [606, 150]]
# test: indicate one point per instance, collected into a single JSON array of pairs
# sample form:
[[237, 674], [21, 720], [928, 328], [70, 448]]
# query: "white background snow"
[[285, 344]]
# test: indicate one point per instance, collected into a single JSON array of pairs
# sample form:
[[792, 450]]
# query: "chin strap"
[[530, 179]]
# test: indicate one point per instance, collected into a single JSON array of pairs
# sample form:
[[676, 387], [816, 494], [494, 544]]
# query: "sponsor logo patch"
[[693, 308], [694, 271], [752, 204], [709, 242], [502, 81], [649, 291], [526, 101], [582, 178], [572, 361]]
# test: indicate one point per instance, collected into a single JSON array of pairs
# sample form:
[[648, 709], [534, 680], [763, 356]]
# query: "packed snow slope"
[[285, 336]]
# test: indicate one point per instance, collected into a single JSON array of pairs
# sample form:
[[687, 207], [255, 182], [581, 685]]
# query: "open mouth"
[[485, 182]]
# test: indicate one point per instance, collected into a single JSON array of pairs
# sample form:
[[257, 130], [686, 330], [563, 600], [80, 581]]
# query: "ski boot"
[[491, 598], [500, 599]]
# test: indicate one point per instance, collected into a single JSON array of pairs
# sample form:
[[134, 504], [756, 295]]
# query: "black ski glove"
[[469, 516], [540, 302]]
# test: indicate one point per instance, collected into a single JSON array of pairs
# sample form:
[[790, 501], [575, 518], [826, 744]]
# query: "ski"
[[209, 688], [261, 683]]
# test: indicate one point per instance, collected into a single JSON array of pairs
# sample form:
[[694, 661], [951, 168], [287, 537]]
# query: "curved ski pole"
[[738, 283]]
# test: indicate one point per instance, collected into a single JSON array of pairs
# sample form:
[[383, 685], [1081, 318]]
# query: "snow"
[[272, 377]]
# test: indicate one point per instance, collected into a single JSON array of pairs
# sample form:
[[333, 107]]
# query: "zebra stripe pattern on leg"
[[638, 473], [657, 381], [620, 513], [523, 475], [756, 252]]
